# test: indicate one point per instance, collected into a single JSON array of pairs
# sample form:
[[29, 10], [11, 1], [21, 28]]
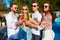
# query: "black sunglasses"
[[16, 7], [24, 9], [33, 5], [45, 6]]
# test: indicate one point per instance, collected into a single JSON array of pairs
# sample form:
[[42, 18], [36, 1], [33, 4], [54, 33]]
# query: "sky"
[[7, 3]]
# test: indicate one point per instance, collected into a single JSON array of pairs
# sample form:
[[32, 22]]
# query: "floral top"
[[46, 21]]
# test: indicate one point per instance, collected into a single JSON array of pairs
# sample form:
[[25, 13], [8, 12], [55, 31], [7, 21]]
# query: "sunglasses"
[[24, 9], [16, 7], [45, 6], [34, 6]]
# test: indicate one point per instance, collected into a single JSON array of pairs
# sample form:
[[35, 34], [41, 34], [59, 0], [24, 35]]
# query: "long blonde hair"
[[26, 7]]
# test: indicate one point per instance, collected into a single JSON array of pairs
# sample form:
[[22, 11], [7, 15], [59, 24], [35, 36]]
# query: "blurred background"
[[5, 8]]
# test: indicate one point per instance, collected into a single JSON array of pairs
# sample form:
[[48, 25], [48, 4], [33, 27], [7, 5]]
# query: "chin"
[[45, 10], [15, 12], [33, 10]]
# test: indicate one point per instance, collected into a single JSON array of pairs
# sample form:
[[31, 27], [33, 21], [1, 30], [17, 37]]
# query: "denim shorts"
[[25, 34]]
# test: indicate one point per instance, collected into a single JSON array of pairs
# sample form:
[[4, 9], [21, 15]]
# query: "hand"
[[40, 27], [21, 21], [17, 23]]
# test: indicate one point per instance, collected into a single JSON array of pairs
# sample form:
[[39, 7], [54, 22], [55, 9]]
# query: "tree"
[[55, 4], [2, 5]]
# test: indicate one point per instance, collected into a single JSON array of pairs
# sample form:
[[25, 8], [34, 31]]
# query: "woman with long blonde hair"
[[24, 15]]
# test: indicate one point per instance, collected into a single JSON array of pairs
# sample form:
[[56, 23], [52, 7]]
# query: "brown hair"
[[12, 4], [35, 2], [50, 10]]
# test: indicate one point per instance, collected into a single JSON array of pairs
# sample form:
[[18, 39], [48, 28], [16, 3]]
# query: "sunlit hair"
[[50, 10], [26, 7]]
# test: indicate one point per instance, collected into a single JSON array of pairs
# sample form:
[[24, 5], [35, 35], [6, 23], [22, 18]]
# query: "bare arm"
[[31, 24], [35, 22], [47, 23]]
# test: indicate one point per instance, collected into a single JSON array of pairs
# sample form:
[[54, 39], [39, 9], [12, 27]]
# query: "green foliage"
[[3, 19], [20, 3], [55, 4], [2, 6]]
